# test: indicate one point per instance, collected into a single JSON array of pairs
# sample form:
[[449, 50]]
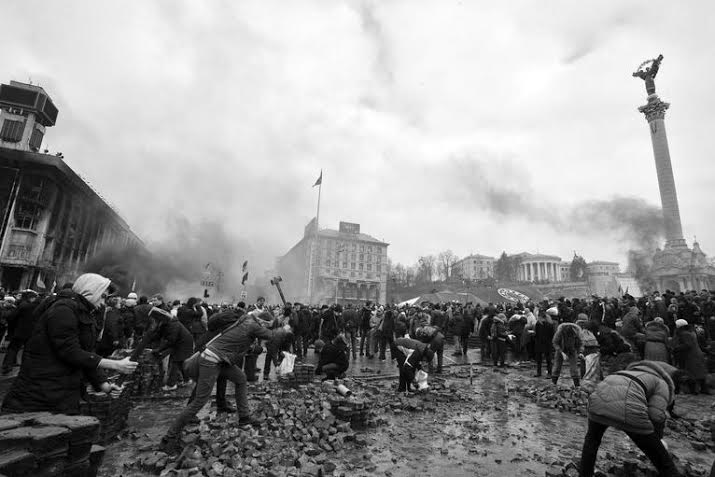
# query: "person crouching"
[[410, 354], [637, 402], [334, 358]]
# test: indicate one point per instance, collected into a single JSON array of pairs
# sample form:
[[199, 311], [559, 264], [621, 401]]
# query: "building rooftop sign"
[[349, 228]]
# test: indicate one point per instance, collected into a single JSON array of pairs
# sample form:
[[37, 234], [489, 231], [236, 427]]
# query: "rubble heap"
[[626, 468], [564, 399], [49, 444], [112, 410], [299, 434]]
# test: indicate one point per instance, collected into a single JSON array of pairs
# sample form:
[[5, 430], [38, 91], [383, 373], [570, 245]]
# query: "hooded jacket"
[[656, 346], [91, 286], [622, 402], [567, 338], [631, 323], [58, 358]]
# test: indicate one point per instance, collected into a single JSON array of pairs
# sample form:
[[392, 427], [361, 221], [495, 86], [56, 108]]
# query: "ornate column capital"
[[655, 109]]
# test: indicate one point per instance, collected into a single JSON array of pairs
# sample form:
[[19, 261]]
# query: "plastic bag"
[[287, 364], [421, 380]]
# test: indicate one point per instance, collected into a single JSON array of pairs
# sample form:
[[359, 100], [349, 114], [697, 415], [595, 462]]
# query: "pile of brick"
[[352, 410], [302, 374], [111, 410], [622, 468], [43, 444]]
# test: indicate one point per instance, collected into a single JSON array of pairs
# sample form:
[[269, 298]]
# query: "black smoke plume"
[[504, 189], [177, 263]]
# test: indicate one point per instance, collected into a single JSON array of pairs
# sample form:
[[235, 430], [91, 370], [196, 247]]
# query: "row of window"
[[353, 247], [367, 276], [361, 256], [360, 266]]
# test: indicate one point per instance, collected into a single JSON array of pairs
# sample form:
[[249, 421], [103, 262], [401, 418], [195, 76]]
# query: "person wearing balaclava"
[[59, 358]]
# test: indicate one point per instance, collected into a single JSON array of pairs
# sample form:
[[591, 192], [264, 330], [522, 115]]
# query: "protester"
[[334, 358], [567, 346], [409, 354], [543, 345], [635, 401], [657, 337], [59, 356], [20, 323], [177, 343], [111, 328], [689, 357], [498, 338], [220, 358]]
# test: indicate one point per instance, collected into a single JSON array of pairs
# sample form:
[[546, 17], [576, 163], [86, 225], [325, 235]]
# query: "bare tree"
[[426, 268], [445, 261]]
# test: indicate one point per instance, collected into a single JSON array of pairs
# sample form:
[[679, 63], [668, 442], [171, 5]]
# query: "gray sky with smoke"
[[467, 125]]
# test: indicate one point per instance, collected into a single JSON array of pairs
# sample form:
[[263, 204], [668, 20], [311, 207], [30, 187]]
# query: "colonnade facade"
[[531, 270]]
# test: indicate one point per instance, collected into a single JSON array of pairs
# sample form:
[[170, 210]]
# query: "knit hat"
[[553, 311], [132, 296], [680, 323]]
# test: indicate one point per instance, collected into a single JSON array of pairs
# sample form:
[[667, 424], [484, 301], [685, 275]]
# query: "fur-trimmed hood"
[[655, 324], [658, 368]]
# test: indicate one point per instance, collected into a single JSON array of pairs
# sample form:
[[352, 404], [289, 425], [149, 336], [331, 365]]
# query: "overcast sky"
[[227, 111]]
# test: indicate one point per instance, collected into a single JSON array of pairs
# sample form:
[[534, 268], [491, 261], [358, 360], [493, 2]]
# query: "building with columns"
[[539, 268], [51, 220], [474, 267], [347, 267]]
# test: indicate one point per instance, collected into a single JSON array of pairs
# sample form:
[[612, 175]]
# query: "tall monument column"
[[654, 112]]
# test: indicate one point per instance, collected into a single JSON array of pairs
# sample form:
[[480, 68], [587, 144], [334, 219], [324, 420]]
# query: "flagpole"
[[315, 244]]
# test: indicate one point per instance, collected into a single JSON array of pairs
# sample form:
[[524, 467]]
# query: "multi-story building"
[[539, 268], [347, 266], [565, 271], [474, 267], [51, 220]]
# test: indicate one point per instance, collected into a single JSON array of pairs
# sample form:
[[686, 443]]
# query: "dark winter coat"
[[21, 321], [329, 325], [365, 314], [351, 319], [543, 336], [191, 319], [216, 324], [128, 320], [485, 327], [621, 402], [111, 332], [388, 323], [176, 341], [688, 354], [141, 316], [656, 342], [57, 359], [498, 329], [631, 324], [457, 323], [439, 320], [467, 324], [334, 354]]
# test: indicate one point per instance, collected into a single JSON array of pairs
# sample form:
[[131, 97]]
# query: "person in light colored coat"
[[636, 401]]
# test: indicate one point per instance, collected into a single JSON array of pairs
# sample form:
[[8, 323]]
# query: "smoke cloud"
[[506, 190], [175, 265]]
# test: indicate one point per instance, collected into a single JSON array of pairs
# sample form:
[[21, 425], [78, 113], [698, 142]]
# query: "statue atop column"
[[647, 71]]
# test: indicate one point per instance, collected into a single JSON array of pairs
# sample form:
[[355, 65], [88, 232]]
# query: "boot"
[[555, 379], [576, 382], [225, 407]]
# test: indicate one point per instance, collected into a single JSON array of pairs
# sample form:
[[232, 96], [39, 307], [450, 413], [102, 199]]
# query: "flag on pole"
[[320, 179], [54, 285], [245, 278], [40, 283], [244, 268], [134, 284]]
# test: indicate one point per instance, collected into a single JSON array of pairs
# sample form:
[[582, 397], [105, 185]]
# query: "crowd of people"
[[68, 339]]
